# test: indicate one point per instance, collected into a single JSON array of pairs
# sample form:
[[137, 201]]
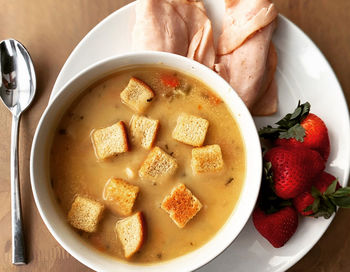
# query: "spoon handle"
[[18, 250]]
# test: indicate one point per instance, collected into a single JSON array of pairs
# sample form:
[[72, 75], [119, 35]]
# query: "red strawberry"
[[302, 201], [323, 198], [300, 129], [293, 169], [305, 199], [277, 227], [316, 136]]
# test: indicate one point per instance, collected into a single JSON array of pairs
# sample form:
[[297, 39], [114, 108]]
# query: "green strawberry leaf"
[[285, 122], [268, 175], [322, 206], [296, 117], [297, 132], [269, 132], [305, 110], [315, 192], [329, 204], [309, 208], [315, 205], [296, 113], [329, 208], [323, 213], [267, 167], [331, 188], [343, 202], [342, 192], [289, 126], [325, 204]]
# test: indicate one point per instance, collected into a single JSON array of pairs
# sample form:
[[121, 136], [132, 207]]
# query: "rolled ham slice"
[[245, 57], [242, 19], [267, 104], [176, 26]]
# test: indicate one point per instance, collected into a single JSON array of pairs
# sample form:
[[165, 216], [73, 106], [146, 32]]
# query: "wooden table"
[[51, 29]]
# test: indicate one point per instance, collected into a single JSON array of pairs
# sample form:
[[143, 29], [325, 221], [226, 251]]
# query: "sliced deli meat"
[[242, 19], [245, 56], [176, 26], [159, 27], [267, 103]]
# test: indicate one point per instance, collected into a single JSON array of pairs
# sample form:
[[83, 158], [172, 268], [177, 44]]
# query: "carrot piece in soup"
[[213, 99], [170, 80]]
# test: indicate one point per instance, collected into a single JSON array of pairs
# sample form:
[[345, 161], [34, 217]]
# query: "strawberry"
[[277, 227], [302, 201], [273, 217], [324, 197], [300, 129], [292, 169]]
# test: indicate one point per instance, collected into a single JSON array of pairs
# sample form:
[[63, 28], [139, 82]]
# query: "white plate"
[[302, 73]]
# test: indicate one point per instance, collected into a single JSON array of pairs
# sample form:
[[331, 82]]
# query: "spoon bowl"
[[18, 81], [17, 90]]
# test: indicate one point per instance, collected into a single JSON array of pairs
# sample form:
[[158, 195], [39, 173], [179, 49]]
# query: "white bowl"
[[54, 217]]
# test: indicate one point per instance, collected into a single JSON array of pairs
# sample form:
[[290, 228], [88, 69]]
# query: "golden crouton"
[[110, 141], [137, 95], [120, 195], [144, 130], [158, 163], [181, 205], [190, 129], [85, 214], [207, 159], [131, 232]]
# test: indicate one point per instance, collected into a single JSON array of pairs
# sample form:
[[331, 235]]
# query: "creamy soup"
[[75, 170]]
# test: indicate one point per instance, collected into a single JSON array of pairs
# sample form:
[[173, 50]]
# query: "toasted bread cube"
[[207, 159], [137, 95], [85, 214], [110, 141], [181, 205], [131, 232], [144, 130], [190, 129], [158, 163], [120, 195]]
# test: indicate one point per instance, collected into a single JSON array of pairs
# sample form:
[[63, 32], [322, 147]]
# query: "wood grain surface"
[[51, 29]]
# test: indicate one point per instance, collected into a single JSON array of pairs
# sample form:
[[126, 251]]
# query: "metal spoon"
[[17, 90]]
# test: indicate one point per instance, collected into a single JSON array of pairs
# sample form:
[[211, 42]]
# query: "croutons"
[[120, 195], [131, 232], [143, 130], [110, 141], [181, 205], [158, 163], [85, 214], [207, 159], [137, 95], [190, 129]]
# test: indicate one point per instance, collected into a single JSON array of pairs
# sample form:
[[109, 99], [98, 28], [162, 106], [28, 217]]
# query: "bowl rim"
[[161, 58]]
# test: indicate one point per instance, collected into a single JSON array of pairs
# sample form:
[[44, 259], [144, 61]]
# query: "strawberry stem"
[[325, 204], [289, 126]]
